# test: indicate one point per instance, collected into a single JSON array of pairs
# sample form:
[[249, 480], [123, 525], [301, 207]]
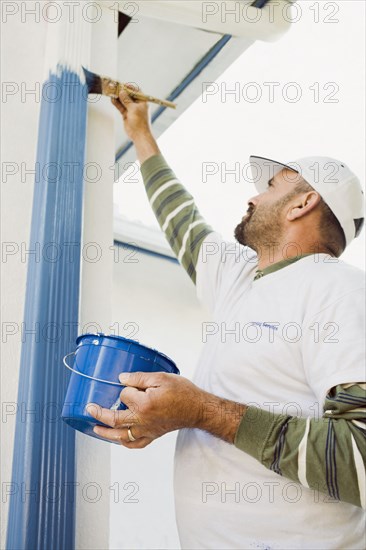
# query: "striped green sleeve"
[[326, 454], [176, 212]]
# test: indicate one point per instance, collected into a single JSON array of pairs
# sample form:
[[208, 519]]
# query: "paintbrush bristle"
[[93, 82]]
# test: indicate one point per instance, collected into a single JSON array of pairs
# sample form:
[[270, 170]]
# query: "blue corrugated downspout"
[[42, 502]]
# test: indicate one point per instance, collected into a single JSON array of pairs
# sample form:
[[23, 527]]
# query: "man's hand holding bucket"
[[159, 403]]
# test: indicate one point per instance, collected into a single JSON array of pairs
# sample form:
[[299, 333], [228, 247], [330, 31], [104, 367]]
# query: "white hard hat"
[[338, 186]]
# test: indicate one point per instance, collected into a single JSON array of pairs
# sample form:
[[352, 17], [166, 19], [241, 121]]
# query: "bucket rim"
[[122, 338]]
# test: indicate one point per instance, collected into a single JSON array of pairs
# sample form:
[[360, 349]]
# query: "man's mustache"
[[249, 212]]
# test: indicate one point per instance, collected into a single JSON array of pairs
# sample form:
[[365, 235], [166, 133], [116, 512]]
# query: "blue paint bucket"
[[98, 360]]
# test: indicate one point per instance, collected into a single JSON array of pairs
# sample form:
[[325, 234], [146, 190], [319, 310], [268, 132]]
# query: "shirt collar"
[[279, 265]]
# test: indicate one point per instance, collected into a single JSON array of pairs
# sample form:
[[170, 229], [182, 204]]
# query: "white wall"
[[159, 300], [22, 68]]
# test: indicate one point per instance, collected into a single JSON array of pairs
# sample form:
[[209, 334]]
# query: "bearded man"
[[271, 448]]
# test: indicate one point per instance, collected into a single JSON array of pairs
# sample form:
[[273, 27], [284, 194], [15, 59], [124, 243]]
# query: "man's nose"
[[253, 202]]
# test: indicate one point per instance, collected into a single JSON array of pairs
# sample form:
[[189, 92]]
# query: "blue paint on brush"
[[44, 447]]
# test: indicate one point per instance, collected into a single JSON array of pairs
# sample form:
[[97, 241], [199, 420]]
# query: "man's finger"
[[130, 397], [116, 102], [114, 419], [114, 436], [141, 380], [125, 98], [120, 437], [132, 86]]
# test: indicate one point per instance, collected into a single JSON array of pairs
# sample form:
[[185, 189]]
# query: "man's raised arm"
[[173, 205]]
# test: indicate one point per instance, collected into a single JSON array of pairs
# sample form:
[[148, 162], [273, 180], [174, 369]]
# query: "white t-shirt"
[[278, 343]]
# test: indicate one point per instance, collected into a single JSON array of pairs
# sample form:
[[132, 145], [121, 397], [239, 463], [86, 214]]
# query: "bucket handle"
[[86, 375]]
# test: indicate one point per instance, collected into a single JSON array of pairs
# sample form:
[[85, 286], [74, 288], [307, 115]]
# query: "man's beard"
[[263, 225]]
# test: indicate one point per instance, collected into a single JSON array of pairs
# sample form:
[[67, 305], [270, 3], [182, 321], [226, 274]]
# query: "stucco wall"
[[22, 71]]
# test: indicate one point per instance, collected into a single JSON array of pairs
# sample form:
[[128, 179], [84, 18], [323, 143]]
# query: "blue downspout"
[[42, 500]]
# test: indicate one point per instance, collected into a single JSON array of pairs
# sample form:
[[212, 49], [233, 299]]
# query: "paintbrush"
[[109, 87]]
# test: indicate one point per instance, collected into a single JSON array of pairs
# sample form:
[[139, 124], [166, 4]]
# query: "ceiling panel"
[[159, 56]]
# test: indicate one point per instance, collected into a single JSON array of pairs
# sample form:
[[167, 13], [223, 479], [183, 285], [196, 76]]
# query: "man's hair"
[[332, 234]]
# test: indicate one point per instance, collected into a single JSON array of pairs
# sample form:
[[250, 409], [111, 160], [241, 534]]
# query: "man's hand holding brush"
[[137, 125]]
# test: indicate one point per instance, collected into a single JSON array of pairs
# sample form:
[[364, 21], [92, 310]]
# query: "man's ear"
[[302, 205]]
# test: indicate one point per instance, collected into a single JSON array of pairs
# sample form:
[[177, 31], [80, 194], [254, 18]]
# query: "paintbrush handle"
[[150, 98], [111, 88]]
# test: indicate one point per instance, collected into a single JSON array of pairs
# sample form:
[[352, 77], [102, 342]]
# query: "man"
[[271, 448]]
